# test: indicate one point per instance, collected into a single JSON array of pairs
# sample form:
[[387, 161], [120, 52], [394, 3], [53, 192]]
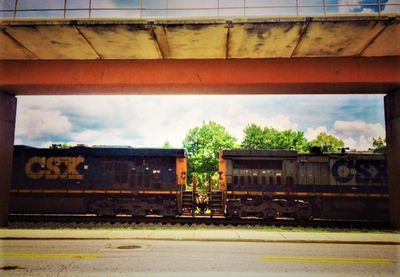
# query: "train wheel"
[[168, 212], [102, 208], [234, 213], [303, 215], [106, 212], [269, 214], [138, 212]]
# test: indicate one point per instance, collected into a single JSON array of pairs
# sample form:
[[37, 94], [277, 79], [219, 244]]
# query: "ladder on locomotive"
[[188, 203], [216, 203]]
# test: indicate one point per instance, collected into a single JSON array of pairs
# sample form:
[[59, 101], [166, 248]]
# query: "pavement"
[[231, 235]]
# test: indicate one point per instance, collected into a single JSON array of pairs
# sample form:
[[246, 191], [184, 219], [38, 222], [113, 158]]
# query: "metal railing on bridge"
[[163, 9]]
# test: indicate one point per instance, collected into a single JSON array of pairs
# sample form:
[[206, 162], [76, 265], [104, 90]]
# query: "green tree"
[[269, 138], [203, 145], [327, 142], [167, 145], [60, 145], [378, 143], [253, 137]]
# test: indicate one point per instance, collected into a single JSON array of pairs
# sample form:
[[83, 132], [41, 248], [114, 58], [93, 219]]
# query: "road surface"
[[194, 258]]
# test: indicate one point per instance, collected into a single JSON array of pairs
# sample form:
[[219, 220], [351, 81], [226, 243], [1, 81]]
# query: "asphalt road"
[[190, 258]]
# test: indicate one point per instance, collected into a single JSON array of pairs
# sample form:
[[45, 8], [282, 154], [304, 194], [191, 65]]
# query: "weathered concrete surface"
[[8, 105], [260, 40], [13, 49], [58, 42], [122, 41], [392, 117], [387, 40], [330, 39], [200, 39]]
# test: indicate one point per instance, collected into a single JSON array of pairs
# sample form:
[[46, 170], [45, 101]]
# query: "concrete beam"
[[239, 76], [392, 117], [361, 36], [8, 105]]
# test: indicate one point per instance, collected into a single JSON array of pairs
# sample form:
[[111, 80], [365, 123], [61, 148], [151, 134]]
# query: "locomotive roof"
[[238, 153], [243, 153], [104, 151]]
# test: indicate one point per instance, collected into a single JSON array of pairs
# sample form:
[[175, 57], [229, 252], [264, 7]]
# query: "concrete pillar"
[[392, 118], [8, 108]]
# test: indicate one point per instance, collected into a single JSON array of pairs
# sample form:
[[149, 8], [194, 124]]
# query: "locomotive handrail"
[[165, 9]]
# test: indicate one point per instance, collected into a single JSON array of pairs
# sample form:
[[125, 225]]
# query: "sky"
[[150, 121]]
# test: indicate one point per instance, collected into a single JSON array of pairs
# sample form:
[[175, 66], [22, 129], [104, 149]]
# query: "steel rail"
[[76, 220]]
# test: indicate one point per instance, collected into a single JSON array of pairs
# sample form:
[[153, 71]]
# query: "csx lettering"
[[364, 171], [54, 168]]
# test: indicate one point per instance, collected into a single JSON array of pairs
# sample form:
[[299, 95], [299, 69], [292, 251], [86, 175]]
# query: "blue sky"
[[148, 121]]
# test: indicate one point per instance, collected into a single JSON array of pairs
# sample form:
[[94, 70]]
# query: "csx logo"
[[364, 171], [54, 168]]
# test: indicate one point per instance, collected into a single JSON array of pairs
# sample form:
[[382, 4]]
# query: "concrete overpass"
[[264, 56]]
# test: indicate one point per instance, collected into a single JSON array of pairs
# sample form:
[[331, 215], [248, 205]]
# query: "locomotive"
[[102, 181], [270, 184], [265, 184]]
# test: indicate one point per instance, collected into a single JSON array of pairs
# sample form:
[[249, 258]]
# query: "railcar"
[[101, 181], [271, 184]]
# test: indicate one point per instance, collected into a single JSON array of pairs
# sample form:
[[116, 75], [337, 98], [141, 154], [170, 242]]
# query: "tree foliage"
[[256, 137], [378, 143], [167, 145], [203, 144], [327, 142], [63, 145]]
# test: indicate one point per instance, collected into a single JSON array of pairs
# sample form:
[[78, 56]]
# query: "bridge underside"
[[283, 55], [286, 56]]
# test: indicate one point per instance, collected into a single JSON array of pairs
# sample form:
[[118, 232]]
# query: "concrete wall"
[[8, 107], [392, 117]]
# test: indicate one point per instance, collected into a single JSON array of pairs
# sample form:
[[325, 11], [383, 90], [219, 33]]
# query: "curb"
[[211, 240]]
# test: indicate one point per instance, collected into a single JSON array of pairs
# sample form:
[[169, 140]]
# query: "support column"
[[392, 118], [8, 108]]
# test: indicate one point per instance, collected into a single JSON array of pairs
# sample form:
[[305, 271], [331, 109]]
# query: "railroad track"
[[125, 221]]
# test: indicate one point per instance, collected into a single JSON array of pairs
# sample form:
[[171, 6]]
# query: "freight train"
[[266, 184]]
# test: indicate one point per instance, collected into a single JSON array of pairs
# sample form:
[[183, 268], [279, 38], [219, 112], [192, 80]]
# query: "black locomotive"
[[252, 183], [103, 181], [271, 184]]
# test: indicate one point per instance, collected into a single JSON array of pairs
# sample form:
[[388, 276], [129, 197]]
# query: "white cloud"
[[111, 137], [311, 133], [357, 135], [360, 143], [358, 128], [350, 142], [235, 116], [33, 123]]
